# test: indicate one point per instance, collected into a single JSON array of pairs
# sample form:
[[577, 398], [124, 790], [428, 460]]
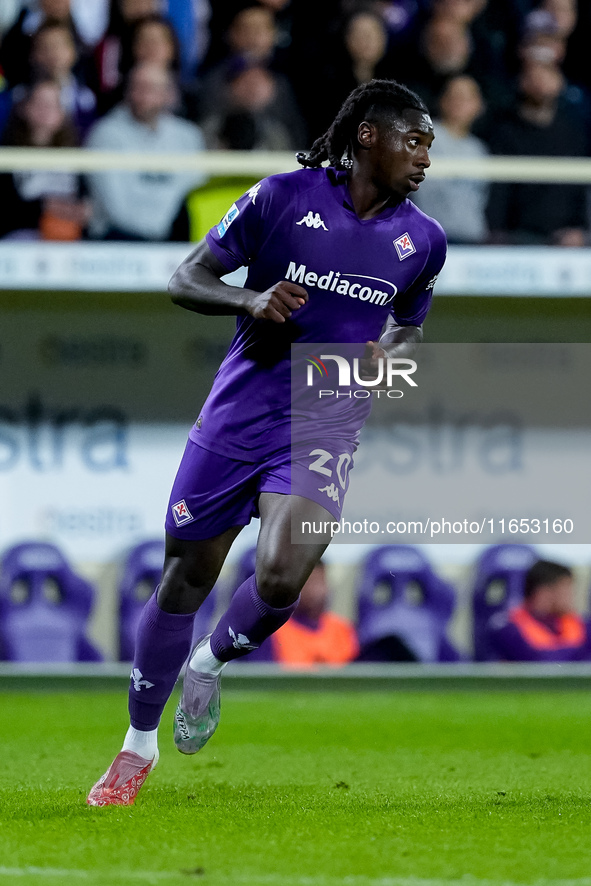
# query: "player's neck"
[[368, 200]]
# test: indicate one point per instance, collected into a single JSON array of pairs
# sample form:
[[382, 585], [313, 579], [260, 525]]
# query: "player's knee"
[[277, 585], [181, 592]]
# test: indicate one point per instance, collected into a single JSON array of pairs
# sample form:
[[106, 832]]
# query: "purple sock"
[[246, 623], [163, 644]]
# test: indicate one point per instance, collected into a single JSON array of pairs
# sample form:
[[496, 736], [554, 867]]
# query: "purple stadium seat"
[[141, 574], [44, 607], [401, 597], [498, 585]]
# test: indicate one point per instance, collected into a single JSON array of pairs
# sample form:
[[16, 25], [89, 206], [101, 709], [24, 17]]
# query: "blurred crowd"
[[500, 77]]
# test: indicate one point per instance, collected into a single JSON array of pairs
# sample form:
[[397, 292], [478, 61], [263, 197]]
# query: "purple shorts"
[[211, 493]]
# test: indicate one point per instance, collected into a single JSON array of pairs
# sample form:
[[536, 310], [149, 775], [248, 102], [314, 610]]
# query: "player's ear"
[[366, 134]]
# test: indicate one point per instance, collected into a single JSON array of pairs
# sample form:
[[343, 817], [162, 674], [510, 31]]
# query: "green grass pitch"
[[306, 789]]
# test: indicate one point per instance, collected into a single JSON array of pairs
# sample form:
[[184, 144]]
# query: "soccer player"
[[334, 254]]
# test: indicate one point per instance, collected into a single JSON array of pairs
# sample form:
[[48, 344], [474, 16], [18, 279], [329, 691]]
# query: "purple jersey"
[[302, 227]]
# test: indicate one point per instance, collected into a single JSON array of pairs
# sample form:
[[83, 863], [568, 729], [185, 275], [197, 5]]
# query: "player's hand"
[[369, 366], [278, 303]]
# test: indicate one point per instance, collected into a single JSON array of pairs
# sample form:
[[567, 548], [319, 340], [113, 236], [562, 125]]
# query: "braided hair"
[[377, 98]]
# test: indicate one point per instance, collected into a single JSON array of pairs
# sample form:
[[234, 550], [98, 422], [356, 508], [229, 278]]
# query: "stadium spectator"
[[190, 19], [362, 57], [252, 42], [542, 42], [546, 626], [251, 117], [91, 19], [402, 19], [279, 13], [459, 205], [251, 36], [366, 43], [15, 49], [113, 56], [545, 41], [445, 50], [154, 42], [455, 40], [463, 12], [54, 56], [576, 65], [41, 204], [559, 16], [141, 205], [526, 213], [314, 635]]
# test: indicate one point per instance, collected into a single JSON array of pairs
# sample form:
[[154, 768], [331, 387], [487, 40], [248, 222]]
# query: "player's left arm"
[[400, 341]]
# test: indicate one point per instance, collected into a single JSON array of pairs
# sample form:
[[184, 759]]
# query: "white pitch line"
[[281, 879], [85, 875]]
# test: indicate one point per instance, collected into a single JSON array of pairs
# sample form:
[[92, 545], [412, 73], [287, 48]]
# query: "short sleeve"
[[236, 240], [411, 306]]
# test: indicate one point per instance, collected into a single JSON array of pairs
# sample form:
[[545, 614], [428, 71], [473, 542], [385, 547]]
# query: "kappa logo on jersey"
[[312, 220], [432, 282], [181, 513], [252, 193], [227, 220], [332, 492], [404, 246]]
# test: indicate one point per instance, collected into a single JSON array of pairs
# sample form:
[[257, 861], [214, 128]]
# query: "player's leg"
[[163, 643], [165, 630], [212, 498], [259, 607], [266, 599]]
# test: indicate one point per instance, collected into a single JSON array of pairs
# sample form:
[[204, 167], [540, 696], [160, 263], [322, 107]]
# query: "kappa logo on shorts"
[[404, 246], [181, 513], [332, 492]]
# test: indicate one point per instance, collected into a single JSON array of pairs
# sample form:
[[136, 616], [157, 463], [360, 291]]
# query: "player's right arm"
[[196, 286], [233, 243]]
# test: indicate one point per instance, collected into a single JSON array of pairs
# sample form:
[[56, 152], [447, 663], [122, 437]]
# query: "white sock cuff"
[[203, 661], [143, 743]]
